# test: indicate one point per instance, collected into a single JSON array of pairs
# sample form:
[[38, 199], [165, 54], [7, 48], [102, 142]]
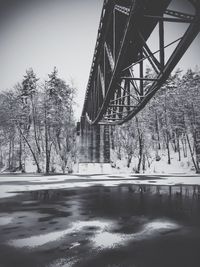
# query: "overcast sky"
[[45, 33]]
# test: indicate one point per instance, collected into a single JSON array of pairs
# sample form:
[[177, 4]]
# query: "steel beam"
[[118, 85]]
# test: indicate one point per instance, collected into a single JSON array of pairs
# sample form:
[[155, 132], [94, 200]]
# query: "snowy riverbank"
[[11, 185]]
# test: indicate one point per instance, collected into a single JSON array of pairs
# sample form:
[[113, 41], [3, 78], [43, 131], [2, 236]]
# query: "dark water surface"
[[121, 226]]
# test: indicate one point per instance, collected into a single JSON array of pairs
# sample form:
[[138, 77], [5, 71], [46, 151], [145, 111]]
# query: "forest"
[[37, 132], [167, 130], [38, 128]]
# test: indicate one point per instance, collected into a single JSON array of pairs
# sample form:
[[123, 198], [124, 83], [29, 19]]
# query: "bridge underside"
[[119, 85], [128, 68]]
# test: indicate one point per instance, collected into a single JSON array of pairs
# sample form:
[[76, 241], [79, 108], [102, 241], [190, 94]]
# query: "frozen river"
[[86, 221]]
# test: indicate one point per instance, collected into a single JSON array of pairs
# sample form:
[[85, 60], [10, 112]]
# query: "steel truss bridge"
[[118, 87]]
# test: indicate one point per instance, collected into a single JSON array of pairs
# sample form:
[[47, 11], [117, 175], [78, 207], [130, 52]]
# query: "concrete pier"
[[94, 144]]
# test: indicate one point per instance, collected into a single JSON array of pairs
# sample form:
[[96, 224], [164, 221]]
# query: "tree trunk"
[[112, 137], [129, 161], [34, 126], [143, 163], [140, 139], [32, 152], [1, 157], [197, 146], [168, 149], [119, 153], [20, 153], [184, 138], [196, 137], [192, 155], [140, 156], [184, 145], [58, 139], [178, 146], [158, 132], [174, 142], [47, 150], [13, 162], [9, 153]]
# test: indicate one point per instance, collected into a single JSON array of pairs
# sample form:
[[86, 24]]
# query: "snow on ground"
[[176, 166], [91, 168], [178, 172], [153, 166]]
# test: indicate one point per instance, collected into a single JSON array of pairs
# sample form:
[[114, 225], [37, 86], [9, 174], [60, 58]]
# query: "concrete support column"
[[106, 148], [90, 143], [94, 143]]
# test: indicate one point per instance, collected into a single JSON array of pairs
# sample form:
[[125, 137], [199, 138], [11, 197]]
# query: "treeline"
[[170, 123], [37, 125]]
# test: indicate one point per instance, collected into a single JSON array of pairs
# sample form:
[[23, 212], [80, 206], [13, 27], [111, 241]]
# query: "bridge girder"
[[118, 87]]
